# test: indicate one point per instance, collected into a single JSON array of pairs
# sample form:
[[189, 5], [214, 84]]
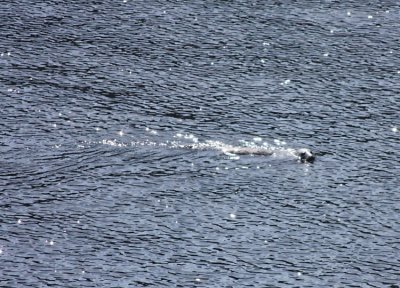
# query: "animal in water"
[[305, 155]]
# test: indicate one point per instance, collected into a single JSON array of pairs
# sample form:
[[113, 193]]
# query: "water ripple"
[[101, 100]]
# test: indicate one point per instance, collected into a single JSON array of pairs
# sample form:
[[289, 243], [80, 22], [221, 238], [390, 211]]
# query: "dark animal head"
[[306, 156]]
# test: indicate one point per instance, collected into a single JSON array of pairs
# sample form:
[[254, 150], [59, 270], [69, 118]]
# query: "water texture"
[[100, 101]]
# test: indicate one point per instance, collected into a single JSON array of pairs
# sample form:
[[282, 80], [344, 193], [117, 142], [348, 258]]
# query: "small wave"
[[191, 142]]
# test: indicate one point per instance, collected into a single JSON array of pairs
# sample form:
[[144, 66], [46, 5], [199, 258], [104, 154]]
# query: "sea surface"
[[104, 105]]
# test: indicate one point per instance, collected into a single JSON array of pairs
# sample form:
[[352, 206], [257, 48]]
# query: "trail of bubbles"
[[189, 141]]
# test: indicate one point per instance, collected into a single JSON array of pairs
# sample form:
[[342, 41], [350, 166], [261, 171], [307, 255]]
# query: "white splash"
[[279, 142], [189, 141], [113, 143]]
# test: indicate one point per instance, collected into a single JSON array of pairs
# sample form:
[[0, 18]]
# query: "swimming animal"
[[304, 155]]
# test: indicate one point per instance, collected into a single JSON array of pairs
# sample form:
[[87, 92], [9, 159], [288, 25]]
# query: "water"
[[100, 99]]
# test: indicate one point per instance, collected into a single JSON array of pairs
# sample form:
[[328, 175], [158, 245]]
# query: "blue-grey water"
[[99, 99]]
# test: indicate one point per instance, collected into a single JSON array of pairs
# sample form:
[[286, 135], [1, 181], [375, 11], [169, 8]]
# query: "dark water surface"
[[98, 98]]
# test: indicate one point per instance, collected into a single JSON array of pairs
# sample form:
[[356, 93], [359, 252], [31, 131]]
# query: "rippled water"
[[99, 101]]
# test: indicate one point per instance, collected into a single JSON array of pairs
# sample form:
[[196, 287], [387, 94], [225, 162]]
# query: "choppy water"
[[99, 99]]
